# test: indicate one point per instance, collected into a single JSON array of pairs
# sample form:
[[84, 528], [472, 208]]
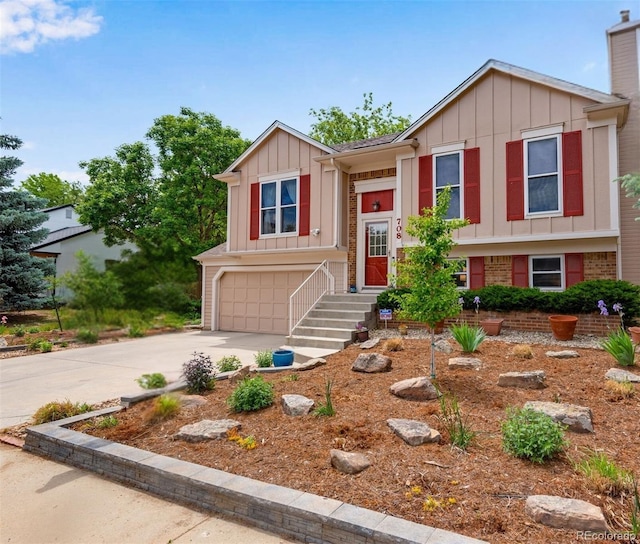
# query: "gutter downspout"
[[336, 207]]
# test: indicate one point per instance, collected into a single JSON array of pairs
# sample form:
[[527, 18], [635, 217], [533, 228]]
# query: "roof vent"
[[625, 15]]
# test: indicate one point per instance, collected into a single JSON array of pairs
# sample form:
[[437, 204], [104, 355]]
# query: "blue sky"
[[80, 78]]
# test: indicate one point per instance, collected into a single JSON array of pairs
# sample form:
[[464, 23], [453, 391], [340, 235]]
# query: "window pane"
[[288, 219], [269, 221], [288, 190], [543, 194], [547, 279], [546, 264], [454, 204], [268, 195], [378, 240], [543, 157], [448, 170]]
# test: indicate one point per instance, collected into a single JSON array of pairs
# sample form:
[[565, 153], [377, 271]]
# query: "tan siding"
[[540, 106], [210, 272]]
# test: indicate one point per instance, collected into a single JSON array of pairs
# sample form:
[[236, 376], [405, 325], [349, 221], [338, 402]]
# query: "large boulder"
[[532, 379], [619, 375], [296, 405], [349, 463], [576, 418], [413, 432], [564, 354], [206, 430], [415, 389], [465, 363], [371, 362], [568, 514]]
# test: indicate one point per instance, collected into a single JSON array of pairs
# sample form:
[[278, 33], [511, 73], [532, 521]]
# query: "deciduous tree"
[[56, 191]]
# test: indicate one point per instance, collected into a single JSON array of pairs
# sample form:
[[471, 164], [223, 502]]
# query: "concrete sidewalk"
[[97, 373], [42, 502]]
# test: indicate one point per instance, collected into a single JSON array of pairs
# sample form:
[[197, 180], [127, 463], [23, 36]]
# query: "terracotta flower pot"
[[563, 326], [362, 335], [635, 334], [492, 325], [439, 327]]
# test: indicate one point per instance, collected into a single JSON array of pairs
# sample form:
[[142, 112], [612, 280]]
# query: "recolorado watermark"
[[606, 537]]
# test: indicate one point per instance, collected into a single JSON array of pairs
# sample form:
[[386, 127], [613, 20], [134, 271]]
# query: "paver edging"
[[280, 510]]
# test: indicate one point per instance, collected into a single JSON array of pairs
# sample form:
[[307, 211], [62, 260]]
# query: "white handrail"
[[320, 282]]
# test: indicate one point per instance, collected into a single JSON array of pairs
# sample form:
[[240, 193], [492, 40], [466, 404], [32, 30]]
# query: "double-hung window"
[[460, 275], [542, 175], [448, 173], [279, 207], [547, 272]]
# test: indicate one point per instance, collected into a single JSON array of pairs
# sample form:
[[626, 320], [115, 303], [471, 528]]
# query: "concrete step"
[[343, 305], [317, 342], [346, 313], [352, 297], [329, 322], [303, 354], [343, 334]]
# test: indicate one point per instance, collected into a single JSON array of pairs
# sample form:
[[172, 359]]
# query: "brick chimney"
[[623, 40]]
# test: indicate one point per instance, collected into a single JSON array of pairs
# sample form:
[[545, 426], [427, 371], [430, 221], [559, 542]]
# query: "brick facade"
[[497, 270], [600, 266]]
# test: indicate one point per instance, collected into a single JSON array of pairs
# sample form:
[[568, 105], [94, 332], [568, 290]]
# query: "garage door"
[[257, 301]]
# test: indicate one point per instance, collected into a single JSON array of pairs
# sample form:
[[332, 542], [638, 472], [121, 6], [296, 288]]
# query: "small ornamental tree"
[[631, 183], [428, 270]]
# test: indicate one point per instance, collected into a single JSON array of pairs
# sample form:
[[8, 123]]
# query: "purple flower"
[[601, 304], [603, 310], [617, 307], [476, 301], [461, 301], [4, 319]]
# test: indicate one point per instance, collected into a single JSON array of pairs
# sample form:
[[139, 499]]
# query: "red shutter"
[[425, 182], [472, 184], [515, 181], [573, 269], [254, 226], [305, 205], [572, 173], [476, 272], [520, 270]]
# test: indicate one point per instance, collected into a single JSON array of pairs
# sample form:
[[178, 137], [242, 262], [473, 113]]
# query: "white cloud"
[[25, 24], [590, 66]]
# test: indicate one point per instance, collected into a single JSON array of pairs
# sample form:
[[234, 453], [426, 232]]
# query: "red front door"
[[376, 258]]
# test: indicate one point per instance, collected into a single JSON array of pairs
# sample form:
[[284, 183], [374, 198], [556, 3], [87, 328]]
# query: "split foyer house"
[[529, 159]]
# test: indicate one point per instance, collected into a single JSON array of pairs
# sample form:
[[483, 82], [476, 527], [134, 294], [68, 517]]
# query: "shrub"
[[460, 431], [619, 345], [87, 336], [390, 298], [165, 407], [393, 344], [45, 346], [251, 394], [532, 435], [53, 411], [107, 422], [604, 475], [619, 390], [33, 330], [326, 408], [34, 344], [264, 358], [19, 331], [152, 381], [228, 363], [468, 337], [199, 373], [522, 351], [135, 331]]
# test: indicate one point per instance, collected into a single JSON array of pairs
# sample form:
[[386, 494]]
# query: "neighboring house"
[[529, 158], [66, 237]]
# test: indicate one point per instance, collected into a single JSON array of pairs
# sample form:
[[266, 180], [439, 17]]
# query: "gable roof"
[[368, 142], [62, 234], [517, 71], [60, 207], [276, 125]]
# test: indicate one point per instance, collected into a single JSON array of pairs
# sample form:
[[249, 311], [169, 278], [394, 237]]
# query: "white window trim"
[[277, 180], [532, 133], [446, 149], [466, 260], [548, 213], [562, 271], [460, 154]]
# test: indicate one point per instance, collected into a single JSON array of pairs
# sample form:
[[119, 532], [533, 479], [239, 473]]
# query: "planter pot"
[[403, 330], [362, 336], [439, 328], [492, 325], [635, 334], [283, 357], [563, 326]]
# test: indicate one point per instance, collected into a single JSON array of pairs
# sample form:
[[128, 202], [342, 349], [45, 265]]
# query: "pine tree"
[[22, 277]]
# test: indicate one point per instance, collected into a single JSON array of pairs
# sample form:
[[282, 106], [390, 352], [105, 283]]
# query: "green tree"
[[22, 276], [92, 290], [428, 270], [56, 191], [333, 126], [631, 183], [181, 211]]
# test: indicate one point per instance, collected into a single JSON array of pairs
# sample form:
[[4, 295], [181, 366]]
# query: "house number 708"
[[399, 229]]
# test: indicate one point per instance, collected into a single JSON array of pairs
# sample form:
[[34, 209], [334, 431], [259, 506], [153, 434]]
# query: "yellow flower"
[[452, 500], [416, 490], [454, 482]]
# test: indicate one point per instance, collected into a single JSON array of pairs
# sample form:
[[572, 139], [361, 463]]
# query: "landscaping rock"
[[465, 363], [206, 429], [577, 418], [565, 354], [371, 362], [191, 401], [373, 342], [443, 346], [532, 379], [3, 342], [413, 432], [296, 405], [568, 514], [415, 389], [239, 374], [349, 463], [311, 363], [619, 375]]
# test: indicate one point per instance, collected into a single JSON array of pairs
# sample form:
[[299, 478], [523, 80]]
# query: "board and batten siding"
[[494, 112], [282, 153]]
